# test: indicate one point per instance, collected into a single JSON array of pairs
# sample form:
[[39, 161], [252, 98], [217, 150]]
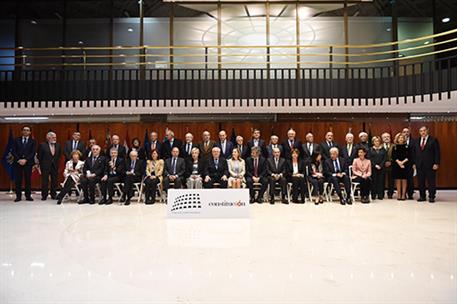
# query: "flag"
[[8, 158], [90, 135], [127, 140], [370, 136], [107, 139], [233, 137], [146, 139]]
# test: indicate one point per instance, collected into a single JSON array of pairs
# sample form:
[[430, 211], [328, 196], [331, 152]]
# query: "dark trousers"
[[429, 176], [46, 174], [377, 183], [298, 186], [69, 184], [20, 173], [177, 183], [129, 182], [336, 185], [88, 186], [410, 182], [107, 187], [282, 182], [214, 180], [151, 187], [389, 183], [365, 185], [263, 186], [318, 185]]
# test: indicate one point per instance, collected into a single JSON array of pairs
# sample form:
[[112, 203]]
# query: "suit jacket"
[[167, 147], [244, 151], [262, 145], [148, 148], [241, 168], [121, 151], [141, 152], [119, 168], [157, 169], [26, 151], [429, 156], [290, 168], [69, 173], [68, 148], [98, 168], [262, 169], [329, 168], [180, 167], [270, 150], [46, 159], [184, 153], [349, 157], [306, 153], [228, 149], [205, 151], [271, 166], [189, 167], [325, 149], [288, 150], [139, 167], [216, 173]]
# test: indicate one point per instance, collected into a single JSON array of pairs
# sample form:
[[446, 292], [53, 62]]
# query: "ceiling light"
[[130, 29], [27, 118], [445, 19]]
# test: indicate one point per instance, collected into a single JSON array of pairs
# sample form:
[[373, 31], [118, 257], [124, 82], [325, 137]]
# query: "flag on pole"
[[126, 140], [233, 137], [8, 158], [146, 139], [107, 139]]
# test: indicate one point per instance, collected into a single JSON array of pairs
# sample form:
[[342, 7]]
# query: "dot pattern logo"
[[187, 202]]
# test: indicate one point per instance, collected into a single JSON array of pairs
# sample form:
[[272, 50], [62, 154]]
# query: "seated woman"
[[361, 173], [316, 177], [154, 175], [237, 170], [296, 175], [194, 170], [73, 170]]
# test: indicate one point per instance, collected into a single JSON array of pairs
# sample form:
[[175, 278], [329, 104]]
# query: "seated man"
[[133, 174], [256, 172], [175, 170], [337, 171], [216, 170], [277, 171], [94, 169], [114, 173]]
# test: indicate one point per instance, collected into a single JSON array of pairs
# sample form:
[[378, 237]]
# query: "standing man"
[[74, 144], [388, 146], [153, 144], [410, 173], [207, 145], [225, 145], [170, 143], [49, 154], [309, 148], [242, 147], [24, 149], [274, 143], [327, 144], [115, 143], [426, 162], [188, 146], [256, 141], [349, 150], [290, 144]]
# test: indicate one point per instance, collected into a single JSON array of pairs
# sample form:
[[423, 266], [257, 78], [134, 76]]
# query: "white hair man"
[[49, 154]]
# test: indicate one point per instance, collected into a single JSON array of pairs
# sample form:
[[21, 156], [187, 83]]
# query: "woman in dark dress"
[[316, 177], [377, 156], [401, 160]]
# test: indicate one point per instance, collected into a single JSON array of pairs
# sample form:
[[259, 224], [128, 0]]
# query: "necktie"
[[349, 149], [171, 143], [74, 145], [132, 166], [276, 163], [53, 149], [216, 162], [188, 148], [423, 143], [310, 149], [153, 145], [256, 167], [256, 143], [223, 147], [93, 161], [24, 141], [174, 165], [291, 143], [329, 144], [337, 166]]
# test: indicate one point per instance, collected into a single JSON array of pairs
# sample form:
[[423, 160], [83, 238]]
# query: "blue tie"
[[174, 166], [337, 167]]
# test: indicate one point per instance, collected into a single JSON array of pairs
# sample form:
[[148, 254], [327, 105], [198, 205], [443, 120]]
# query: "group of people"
[[374, 165]]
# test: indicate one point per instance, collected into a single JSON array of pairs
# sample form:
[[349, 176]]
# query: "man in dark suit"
[[170, 143], [88, 150], [94, 169], [426, 162], [256, 172], [276, 167], [114, 173], [188, 146], [410, 144], [74, 144], [49, 154], [174, 171], [349, 150], [216, 170], [23, 151], [290, 144], [153, 144], [206, 146], [256, 141], [327, 144], [337, 171], [244, 151], [225, 145], [274, 143], [133, 174], [388, 146], [309, 148], [115, 143]]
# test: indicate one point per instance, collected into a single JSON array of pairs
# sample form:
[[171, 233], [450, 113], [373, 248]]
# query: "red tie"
[[423, 143]]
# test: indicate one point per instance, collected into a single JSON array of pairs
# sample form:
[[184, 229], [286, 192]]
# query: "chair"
[[76, 188], [328, 190], [309, 186], [257, 187], [139, 188], [354, 185]]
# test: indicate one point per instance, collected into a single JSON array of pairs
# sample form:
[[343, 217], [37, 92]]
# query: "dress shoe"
[[349, 201], [30, 199], [260, 200], [84, 201], [54, 197], [102, 201], [122, 199], [431, 200], [272, 201], [150, 202], [284, 201], [59, 201], [109, 201], [92, 202], [421, 199], [342, 201], [410, 198], [251, 201], [390, 197], [127, 202], [17, 199]]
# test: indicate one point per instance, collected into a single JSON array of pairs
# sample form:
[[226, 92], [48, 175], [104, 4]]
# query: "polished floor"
[[383, 252]]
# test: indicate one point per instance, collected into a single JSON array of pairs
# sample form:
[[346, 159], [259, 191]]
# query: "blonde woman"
[[194, 170], [401, 160], [154, 175], [73, 170], [237, 170]]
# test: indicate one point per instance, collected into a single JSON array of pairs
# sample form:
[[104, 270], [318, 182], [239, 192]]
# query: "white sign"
[[209, 203]]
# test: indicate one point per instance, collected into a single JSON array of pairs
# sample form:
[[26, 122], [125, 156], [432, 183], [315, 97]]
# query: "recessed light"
[[427, 42], [388, 29], [130, 29], [445, 19], [33, 21], [27, 118]]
